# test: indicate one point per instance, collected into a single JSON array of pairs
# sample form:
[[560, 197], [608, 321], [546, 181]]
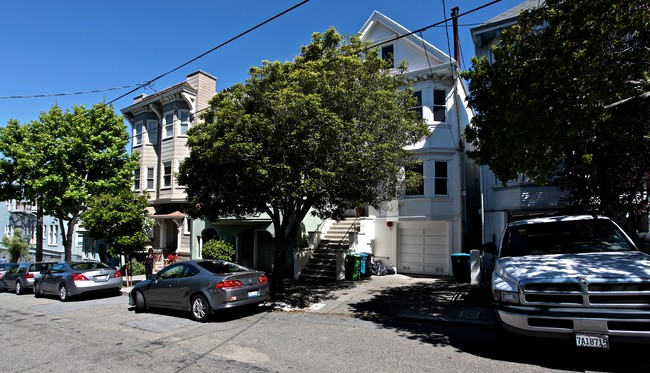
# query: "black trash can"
[[460, 266]]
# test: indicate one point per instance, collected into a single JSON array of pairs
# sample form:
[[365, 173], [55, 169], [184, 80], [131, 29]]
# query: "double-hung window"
[[167, 174], [136, 176], [184, 119], [169, 124], [152, 131], [418, 109], [414, 174], [150, 178], [137, 140], [52, 235], [439, 105], [441, 179]]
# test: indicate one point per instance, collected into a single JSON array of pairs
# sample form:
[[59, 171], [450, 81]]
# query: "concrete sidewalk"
[[390, 297]]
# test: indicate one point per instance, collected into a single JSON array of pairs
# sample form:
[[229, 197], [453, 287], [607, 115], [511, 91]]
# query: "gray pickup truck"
[[572, 277]]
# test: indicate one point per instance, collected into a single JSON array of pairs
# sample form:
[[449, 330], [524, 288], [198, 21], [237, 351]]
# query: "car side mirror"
[[153, 277], [489, 247]]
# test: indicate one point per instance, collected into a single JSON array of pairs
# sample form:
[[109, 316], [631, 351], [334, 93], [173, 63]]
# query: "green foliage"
[[137, 268], [121, 219], [16, 245], [327, 131], [218, 249], [567, 96], [65, 158]]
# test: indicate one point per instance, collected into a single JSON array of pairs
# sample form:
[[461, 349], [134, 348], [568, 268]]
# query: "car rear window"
[[564, 237], [222, 267], [88, 265]]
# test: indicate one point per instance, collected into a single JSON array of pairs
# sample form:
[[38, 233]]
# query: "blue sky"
[[62, 47]]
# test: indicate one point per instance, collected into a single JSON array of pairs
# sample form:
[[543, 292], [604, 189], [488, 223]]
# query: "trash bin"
[[366, 265], [352, 267], [460, 267]]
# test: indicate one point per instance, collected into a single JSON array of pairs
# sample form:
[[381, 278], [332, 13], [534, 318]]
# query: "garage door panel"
[[423, 248]]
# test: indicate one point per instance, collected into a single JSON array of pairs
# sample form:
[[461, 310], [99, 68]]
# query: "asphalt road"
[[98, 334]]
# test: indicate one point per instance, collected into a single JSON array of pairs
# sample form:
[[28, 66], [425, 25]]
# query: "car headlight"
[[504, 289]]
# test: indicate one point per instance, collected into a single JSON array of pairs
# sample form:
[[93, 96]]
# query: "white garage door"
[[423, 248]]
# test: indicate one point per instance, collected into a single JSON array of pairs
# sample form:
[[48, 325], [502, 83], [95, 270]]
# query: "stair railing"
[[346, 235]]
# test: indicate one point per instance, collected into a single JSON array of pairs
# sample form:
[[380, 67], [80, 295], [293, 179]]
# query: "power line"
[[210, 51], [67, 94]]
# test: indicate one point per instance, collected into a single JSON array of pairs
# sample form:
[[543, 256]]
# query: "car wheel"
[[200, 309], [140, 302], [37, 290], [19, 288], [63, 293]]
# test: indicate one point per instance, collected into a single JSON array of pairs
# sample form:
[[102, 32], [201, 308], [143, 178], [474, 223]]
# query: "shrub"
[[218, 249], [136, 267]]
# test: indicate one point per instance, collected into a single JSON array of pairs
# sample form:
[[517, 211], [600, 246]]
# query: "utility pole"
[[454, 16]]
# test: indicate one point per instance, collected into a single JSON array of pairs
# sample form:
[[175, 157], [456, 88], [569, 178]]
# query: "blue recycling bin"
[[366, 265], [460, 266]]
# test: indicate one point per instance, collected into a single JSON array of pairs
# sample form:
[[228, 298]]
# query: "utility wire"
[[68, 94], [148, 83]]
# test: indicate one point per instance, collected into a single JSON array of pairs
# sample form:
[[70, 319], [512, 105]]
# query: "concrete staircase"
[[322, 264]]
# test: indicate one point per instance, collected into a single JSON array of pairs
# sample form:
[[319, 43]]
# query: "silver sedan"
[[71, 279], [201, 287]]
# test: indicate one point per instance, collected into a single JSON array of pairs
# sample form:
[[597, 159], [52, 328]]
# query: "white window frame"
[[167, 176], [168, 126], [439, 105], [137, 176], [137, 137], [437, 178], [151, 178], [184, 122], [53, 235], [32, 235], [186, 225], [382, 50], [152, 131]]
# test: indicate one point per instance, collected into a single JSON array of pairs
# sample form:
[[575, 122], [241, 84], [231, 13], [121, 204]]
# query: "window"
[[439, 105], [414, 177], [187, 225], [418, 108], [152, 131], [441, 179], [32, 235], [150, 178], [388, 55], [136, 176], [52, 234], [138, 134], [169, 124], [167, 174], [184, 121]]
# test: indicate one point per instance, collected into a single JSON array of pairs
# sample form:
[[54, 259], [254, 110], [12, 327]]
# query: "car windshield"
[[4, 266], [88, 265], [564, 237], [222, 267]]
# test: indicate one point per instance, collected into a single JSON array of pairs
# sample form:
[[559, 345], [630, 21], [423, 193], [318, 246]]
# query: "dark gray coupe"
[[201, 287]]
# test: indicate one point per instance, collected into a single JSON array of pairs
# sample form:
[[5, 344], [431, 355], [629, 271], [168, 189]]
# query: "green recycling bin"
[[352, 267]]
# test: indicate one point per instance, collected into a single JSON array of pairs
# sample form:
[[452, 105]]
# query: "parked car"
[[69, 279], [4, 267], [21, 277], [201, 287], [572, 277]]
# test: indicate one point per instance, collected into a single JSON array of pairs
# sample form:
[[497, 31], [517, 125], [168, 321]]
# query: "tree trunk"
[[39, 233], [279, 272]]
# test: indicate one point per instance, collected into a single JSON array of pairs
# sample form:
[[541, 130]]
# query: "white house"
[[418, 232]]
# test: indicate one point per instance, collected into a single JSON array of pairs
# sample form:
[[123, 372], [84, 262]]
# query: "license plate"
[[592, 340], [253, 294], [101, 278]]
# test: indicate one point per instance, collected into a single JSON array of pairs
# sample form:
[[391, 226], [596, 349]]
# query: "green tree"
[[65, 158], [16, 245], [566, 99], [218, 249], [120, 219], [326, 131]]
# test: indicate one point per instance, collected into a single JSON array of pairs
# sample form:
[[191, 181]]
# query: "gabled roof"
[[146, 100], [488, 30], [400, 30]]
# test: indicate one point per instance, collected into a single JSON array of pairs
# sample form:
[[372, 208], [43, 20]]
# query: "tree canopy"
[[567, 98], [64, 158], [326, 132], [122, 220]]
